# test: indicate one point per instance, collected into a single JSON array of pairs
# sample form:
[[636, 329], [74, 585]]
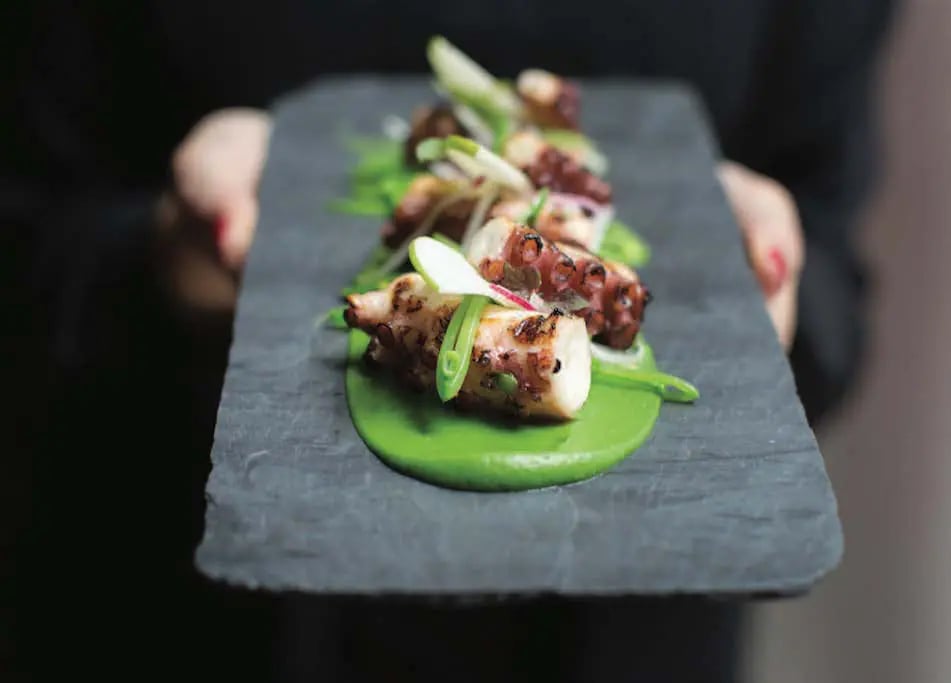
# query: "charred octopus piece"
[[547, 354], [433, 121], [547, 166], [609, 296], [550, 101], [424, 193]]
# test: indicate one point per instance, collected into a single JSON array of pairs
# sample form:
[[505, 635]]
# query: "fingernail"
[[220, 228], [776, 271]]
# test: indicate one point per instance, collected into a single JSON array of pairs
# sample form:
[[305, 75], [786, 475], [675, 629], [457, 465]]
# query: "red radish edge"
[[512, 296]]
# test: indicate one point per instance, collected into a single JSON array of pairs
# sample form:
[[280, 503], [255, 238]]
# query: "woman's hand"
[[208, 217], [772, 233]]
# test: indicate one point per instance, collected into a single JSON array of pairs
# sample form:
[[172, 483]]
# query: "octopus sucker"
[[547, 166], [522, 343], [608, 296]]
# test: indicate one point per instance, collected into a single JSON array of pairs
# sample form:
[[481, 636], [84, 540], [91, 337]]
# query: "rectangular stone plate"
[[729, 496]]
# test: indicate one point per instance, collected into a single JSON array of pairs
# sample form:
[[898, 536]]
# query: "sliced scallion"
[[455, 354], [668, 387]]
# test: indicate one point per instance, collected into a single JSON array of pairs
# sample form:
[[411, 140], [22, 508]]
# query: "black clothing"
[[100, 97], [100, 93]]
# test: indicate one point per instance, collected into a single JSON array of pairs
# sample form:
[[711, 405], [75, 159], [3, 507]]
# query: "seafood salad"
[[514, 195]]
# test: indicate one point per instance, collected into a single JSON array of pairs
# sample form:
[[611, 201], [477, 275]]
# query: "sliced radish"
[[515, 300], [447, 271]]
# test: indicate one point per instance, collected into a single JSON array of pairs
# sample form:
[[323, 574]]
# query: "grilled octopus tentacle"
[[424, 193], [550, 101], [547, 166], [548, 355], [614, 297], [432, 121]]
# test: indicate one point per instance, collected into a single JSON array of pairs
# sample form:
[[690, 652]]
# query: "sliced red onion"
[[519, 301]]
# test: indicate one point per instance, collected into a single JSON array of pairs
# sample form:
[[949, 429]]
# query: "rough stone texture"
[[729, 496]]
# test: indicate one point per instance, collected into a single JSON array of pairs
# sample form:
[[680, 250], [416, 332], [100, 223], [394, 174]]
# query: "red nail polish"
[[777, 271], [220, 227]]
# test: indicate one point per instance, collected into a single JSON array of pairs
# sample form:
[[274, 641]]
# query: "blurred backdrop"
[[885, 615]]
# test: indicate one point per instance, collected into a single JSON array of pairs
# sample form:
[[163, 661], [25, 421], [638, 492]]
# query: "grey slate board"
[[729, 496]]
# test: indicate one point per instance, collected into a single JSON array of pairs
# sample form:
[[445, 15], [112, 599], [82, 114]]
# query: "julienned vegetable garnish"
[[524, 302]]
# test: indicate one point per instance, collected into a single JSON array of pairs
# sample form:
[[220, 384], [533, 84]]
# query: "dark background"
[[109, 385]]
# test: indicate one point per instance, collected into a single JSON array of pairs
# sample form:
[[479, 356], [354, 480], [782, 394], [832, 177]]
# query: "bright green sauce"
[[416, 434]]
